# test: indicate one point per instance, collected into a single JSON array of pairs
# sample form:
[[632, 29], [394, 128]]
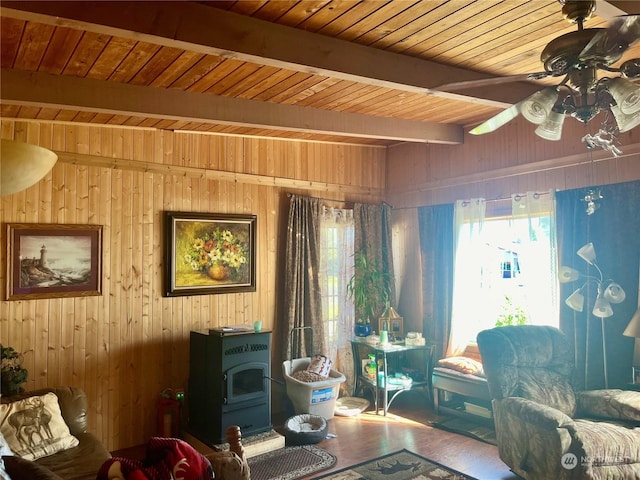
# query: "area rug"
[[469, 428], [290, 463], [401, 465]]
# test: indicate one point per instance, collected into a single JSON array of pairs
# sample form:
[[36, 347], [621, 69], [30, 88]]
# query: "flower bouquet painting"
[[210, 253]]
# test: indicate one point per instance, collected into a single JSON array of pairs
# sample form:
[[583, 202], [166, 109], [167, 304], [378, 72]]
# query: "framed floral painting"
[[209, 253]]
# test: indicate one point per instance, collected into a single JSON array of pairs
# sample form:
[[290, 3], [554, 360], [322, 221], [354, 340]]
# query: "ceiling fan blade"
[[497, 121], [612, 41], [455, 86]]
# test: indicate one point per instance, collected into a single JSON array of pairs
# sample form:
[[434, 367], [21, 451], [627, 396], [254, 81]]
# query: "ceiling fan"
[[580, 57]]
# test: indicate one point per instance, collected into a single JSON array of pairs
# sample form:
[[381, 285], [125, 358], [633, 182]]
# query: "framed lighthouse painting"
[[52, 261]]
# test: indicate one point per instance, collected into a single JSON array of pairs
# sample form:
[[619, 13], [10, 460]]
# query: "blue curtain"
[[436, 247], [614, 230]]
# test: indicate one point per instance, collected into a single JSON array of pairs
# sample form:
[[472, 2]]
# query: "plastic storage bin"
[[316, 398]]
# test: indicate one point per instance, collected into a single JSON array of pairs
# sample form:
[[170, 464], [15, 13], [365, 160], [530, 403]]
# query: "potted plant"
[[12, 373], [370, 290], [512, 314]]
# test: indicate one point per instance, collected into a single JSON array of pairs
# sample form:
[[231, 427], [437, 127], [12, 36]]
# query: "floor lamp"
[[633, 330], [608, 292]]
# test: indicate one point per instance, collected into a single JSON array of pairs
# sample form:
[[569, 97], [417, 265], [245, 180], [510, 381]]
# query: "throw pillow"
[[462, 364], [34, 427]]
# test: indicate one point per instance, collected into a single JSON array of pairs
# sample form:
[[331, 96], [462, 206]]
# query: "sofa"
[[35, 424]]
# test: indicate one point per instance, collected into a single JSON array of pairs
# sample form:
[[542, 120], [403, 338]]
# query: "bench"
[[459, 386]]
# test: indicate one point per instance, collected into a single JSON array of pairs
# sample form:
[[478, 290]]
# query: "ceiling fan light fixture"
[[625, 122], [626, 94], [551, 128], [538, 106]]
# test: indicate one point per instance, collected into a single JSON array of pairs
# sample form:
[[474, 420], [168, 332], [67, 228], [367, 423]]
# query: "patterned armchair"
[[545, 430]]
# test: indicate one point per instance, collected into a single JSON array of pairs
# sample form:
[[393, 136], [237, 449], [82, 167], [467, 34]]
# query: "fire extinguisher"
[[168, 415]]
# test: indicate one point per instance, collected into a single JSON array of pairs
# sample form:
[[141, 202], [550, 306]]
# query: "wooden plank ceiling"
[[363, 72]]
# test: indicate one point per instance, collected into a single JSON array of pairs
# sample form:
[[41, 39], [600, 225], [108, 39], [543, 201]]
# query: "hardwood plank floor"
[[366, 436]]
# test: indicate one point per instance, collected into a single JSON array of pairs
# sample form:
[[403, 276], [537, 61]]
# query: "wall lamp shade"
[[23, 165], [633, 329], [537, 107], [587, 253]]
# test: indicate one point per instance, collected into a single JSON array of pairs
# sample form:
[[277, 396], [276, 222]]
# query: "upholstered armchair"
[[546, 430]]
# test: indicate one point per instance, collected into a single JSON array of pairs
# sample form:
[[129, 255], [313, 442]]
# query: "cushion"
[[34, 427], [20, 469], [462, 364]]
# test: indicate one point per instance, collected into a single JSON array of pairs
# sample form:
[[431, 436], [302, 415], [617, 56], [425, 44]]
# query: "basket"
[[315, 398]]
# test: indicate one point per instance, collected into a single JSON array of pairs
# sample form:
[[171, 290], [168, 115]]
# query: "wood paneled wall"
[[127, 345], [511, 160]]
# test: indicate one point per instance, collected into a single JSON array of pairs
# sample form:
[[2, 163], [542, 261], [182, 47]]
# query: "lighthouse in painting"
[[43, 256]]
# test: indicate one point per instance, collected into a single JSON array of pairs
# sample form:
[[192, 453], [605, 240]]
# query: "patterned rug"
[[402, 465], [290, 463]]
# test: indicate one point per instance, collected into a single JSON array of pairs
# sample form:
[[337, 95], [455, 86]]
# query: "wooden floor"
[[366, 436]]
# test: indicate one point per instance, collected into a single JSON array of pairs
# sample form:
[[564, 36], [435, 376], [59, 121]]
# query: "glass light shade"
[[626, 94], [633, 329], [568, 274], [575, 301], [551, 128], [23, 165], [537, 107], [602, 308], [625, 122], [587, 253], [614, 293]]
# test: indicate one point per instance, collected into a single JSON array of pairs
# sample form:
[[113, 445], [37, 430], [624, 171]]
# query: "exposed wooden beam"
[[213, 31], [42, 89]]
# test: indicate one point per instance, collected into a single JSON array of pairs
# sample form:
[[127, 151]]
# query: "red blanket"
[[166, 458]]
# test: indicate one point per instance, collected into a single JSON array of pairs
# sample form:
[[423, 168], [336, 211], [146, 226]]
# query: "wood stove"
[[229, 383]]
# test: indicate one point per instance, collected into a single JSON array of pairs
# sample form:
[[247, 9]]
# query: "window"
[[336, 267], [505, 268]]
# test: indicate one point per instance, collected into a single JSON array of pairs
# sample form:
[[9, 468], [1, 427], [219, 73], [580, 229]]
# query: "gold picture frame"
[[209, 253]]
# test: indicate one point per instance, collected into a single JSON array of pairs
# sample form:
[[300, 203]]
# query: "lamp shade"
[[625, 122], [537, 107], [602, 308], [551, 128], [575, 301], [23, 165], [633, 329], [568, 274], [587, 253], [614, 293], [626, 94]]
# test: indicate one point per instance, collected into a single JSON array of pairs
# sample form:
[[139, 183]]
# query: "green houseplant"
[[12, 373], [370, 290], [512, 315]]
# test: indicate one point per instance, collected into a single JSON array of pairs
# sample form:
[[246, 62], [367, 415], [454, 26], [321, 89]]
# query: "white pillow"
[[33, 427]]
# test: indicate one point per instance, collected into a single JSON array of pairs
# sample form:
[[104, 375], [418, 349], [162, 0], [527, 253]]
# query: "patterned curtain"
[[373, 236], [302, 300]]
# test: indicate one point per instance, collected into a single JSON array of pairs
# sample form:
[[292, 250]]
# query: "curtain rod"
[[345, 202], [518, 197]]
